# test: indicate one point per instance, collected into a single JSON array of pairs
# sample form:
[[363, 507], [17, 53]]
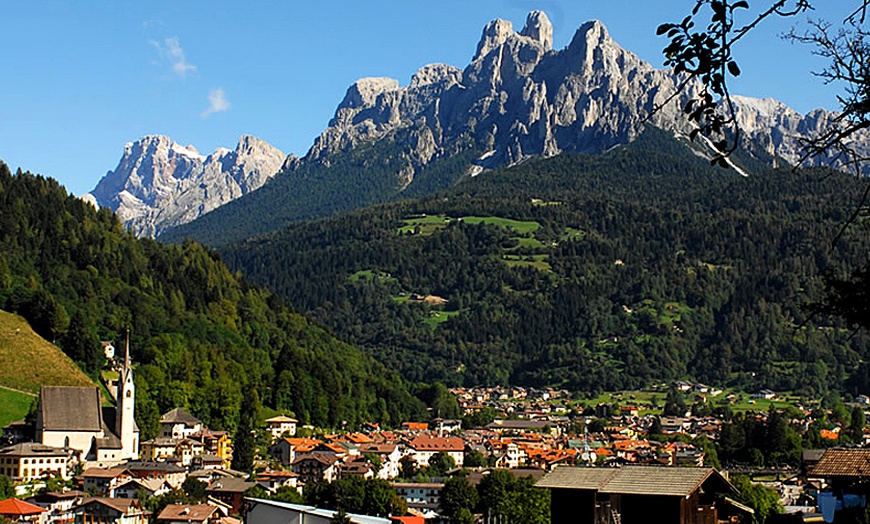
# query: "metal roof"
[[311, 510]]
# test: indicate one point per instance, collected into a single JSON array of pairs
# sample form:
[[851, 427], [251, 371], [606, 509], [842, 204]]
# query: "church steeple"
[[125, 424]]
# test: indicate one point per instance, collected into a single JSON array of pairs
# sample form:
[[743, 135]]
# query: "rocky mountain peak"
[[159, 183], [435, 74], [539, 28], [518, 97], [365, 91], [494, 35]]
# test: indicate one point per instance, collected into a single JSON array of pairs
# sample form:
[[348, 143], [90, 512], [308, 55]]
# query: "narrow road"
[[32, 394]]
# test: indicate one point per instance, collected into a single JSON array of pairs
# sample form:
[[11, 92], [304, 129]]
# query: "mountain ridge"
[[518, 98], [159, 183]]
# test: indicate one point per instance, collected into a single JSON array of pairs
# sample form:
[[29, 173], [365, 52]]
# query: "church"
[[74, 418]]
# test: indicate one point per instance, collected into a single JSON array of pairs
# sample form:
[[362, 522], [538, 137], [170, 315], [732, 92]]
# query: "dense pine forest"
[[590, 272], [201, 336]]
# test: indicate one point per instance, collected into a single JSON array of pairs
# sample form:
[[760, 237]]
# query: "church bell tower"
[[125, 424]]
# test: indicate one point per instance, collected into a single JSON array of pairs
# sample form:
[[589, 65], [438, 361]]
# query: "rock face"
[[517, 98], [782, 132], [159, 183]]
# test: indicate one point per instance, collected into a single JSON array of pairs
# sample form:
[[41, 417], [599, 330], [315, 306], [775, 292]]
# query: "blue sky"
[[80, 79]]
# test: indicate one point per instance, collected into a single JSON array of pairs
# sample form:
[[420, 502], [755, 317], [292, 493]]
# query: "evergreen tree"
[[457, 495], [81, 344], [245, 439], [675, 403], [7, 488]]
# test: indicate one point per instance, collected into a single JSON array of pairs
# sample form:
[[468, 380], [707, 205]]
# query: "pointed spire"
[[127, 352]]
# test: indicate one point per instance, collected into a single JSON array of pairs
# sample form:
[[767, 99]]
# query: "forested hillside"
[[200, 335], [351, 180], [590, 272]]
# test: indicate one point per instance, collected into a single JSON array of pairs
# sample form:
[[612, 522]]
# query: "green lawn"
[[438, 317], [424, 225], [538, 262], [525, 243], [13, 405], [521, 227]]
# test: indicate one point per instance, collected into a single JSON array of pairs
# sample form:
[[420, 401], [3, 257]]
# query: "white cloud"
[[170, 50], [217, 103]]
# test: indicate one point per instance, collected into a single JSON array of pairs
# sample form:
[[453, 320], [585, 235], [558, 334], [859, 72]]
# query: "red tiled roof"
[[428, 443], [408, 520], [17, 507]]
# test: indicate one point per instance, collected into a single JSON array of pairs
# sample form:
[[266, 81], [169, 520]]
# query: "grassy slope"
[[28, 361], [13, 405]]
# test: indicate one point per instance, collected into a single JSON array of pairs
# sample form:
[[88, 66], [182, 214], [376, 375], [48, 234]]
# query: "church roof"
[[70, 408]]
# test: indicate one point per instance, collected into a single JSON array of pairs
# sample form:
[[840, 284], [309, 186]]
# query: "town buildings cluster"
[[532, 433]]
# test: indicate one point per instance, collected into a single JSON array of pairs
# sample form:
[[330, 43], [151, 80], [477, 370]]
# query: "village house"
[[389, 455], [19, 511], [191, 514], [230, 491], [134, 488], [358, 467], [316, 467], [424, 446], [111, 511], [415, 426], [58, 505], [286, 449], [281, 426], [30, 461], [178, 423], [173, 474], [104, 480], [272, 480], [208, 461], [420, 496], [217, 443]]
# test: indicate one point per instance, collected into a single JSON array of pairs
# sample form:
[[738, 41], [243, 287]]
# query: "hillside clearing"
[[27, 361]]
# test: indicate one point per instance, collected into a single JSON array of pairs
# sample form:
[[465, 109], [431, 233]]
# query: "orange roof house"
[[359, 438], [829, 434], [15, 509]]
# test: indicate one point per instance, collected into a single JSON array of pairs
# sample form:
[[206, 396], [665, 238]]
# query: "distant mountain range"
[[518, 98], [159, 183]]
